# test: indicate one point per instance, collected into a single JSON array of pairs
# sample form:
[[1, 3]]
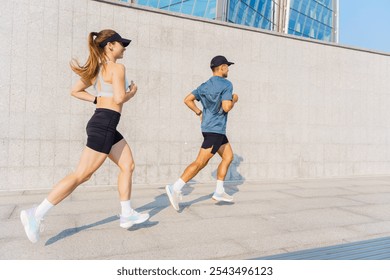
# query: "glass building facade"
[[313, 19], [200, 8], [316, 19], [255, 13]]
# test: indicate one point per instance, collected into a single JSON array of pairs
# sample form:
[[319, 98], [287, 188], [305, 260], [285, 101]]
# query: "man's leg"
[[201, 161], [226, 154], [174, 191]]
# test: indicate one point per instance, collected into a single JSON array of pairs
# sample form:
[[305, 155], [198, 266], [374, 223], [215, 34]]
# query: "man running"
[[217, 98]]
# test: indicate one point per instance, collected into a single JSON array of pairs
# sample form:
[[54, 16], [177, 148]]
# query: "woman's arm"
[[118, 80], [78, 91]]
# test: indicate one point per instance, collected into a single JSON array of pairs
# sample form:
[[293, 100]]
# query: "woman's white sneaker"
[[32, 226], [222, 197], [134, 218]]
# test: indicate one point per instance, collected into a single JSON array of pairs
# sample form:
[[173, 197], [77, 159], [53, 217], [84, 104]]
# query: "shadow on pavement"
[[71, 231], [188, 204], [161, 201], [233, 178], [153, 208]]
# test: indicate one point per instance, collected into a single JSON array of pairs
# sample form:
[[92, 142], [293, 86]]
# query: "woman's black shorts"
[[101, 130], [214, 140]]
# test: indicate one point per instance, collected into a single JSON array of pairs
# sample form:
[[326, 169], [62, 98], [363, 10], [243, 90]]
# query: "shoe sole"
[[126, 225], [130, 224], [24, 219], [222, 199], [142, 221], [170, 197]]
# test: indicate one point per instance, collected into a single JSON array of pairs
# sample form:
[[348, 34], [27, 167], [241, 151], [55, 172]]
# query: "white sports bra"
[[106, 89]]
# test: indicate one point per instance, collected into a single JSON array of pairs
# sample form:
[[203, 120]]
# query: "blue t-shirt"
[[211, 94]]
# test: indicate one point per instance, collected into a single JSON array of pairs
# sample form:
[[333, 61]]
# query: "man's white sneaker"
[[32, 226], [222, 197], [173, 196], [134, 218]]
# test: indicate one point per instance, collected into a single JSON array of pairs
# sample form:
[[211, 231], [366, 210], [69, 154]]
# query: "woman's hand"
[[133, 88]]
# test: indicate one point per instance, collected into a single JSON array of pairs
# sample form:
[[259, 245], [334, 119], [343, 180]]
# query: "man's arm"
[[190, 102], [227, 105]]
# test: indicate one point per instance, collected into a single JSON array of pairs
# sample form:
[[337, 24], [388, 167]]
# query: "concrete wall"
[[306, 109]]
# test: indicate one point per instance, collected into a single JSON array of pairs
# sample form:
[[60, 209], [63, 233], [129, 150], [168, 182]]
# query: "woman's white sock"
[[42, 209], [126, 208]]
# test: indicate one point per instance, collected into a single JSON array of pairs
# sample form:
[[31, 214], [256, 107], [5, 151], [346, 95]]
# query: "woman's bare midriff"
[[108, 103]]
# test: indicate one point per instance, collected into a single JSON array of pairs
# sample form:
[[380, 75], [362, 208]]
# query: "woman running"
[[109, 80]]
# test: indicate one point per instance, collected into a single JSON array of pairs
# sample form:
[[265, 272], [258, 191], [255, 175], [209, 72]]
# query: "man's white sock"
[[219, 189], [42, 209], [126, 208], [178, 185]]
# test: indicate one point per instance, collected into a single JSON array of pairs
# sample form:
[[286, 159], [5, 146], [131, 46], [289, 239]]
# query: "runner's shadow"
[[188, 189], [233, 178], [188, 204], [71, 231], [147, 224], [162, 201]]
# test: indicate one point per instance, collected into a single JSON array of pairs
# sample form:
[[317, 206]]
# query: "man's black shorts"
[[214, 140]]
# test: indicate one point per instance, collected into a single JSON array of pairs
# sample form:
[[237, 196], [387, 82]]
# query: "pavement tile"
[[267, 217], [327, 192], [372, 228], [317, 218], [380, 212], [376, 198]]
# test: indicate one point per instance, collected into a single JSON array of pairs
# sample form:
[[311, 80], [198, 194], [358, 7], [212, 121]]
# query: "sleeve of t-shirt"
[[196, 93], [227, 93]]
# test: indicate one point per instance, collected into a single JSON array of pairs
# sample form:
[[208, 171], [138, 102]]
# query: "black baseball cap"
[[219, 60], [115, 38]]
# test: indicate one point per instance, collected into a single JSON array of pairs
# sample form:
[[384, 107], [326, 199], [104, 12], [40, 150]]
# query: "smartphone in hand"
[[131, 85]]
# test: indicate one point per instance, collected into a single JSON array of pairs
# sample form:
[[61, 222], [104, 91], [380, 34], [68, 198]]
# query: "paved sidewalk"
[[266, 219]]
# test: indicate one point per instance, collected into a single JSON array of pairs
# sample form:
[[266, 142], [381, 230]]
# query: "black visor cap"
[[219, 60], [115, 38]]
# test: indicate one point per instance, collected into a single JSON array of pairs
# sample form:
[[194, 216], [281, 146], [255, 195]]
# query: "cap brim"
[[125, 42], [227, 63]]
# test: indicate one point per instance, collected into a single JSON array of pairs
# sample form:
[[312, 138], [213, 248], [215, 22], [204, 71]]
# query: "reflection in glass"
[[311, 18], [308, 18]]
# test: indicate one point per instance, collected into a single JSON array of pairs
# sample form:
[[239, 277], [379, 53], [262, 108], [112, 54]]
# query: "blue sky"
[[365, 24]]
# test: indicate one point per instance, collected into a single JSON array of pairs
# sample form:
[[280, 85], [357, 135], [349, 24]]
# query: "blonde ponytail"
[[90, 69]]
